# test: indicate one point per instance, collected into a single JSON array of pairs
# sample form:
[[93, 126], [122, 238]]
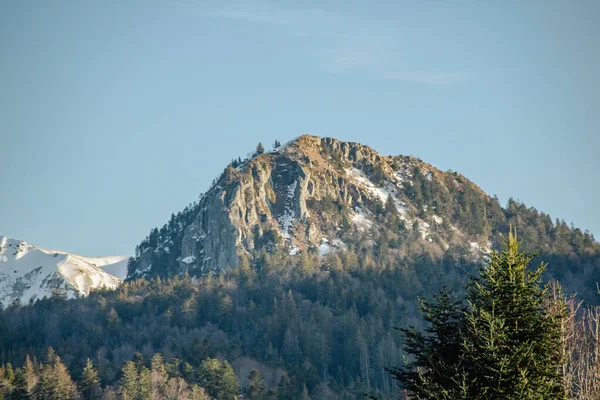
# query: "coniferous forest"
[[306, 327]]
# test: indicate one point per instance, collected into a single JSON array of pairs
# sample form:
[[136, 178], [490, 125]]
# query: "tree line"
[[318, 328], [140, 379]]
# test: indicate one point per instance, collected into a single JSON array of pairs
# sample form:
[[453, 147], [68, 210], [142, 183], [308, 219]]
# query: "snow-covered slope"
[[28, 272]]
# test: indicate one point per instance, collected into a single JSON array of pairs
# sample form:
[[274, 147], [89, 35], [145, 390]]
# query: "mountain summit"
[[28, 272], [324, 195]]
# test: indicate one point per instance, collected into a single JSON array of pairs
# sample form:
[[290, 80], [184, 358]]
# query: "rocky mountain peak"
[[311, 194]]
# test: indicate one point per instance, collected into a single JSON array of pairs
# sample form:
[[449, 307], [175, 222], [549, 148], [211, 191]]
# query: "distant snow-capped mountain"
[[28, 272]]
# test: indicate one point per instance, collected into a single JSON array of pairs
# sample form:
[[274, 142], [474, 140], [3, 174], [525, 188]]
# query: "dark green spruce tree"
[[435, 369], [260, 148], [285, 389], [129, 387], [230, 386], [503, 343], [89, 385], [255, 388], [55, 382], [219, 379]]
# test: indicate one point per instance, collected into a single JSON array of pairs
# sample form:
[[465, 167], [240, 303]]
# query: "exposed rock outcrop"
[[299, 196]]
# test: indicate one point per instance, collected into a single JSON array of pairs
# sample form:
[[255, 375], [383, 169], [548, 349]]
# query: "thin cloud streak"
[[262, 12], [434, 78], [346, 45]]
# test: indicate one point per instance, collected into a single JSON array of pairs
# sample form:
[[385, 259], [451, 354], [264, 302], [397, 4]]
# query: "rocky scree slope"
[[323, 195]]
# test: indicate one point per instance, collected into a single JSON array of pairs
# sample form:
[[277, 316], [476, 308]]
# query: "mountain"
[[28, 272], [297, 262], [301, 196], [324, 195]]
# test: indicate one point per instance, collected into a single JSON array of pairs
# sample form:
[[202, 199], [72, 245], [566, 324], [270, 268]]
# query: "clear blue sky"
[[114, 114]]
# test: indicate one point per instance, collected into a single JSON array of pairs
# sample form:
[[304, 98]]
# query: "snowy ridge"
[[28, 272]]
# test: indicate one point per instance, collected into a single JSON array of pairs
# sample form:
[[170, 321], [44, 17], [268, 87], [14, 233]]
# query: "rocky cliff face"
[[306, 196]]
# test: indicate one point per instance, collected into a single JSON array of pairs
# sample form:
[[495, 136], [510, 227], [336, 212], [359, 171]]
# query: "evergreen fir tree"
[[506, 343], [158, 376], [138, 360], [145, 383], [188, 372], [285, 389], [55, 382], [230, 386], [390, 206], [25, 381], [157, 364], [58, 293], [255, 388], [89, 385], [9, 373], [3, 389], [173, 368], [6, 380], [198, 393], [218, 379], [260, 149], [129, 385], [64, 388], [435, 370], [208, 375], [514, 331], [230, 174], [131, 265], [201, 349], [304, 395]]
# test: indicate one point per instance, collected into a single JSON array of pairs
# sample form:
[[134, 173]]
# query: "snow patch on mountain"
[[189, 260], [360, 220], [28, 272], [324, 248], [289, 214], [479, 249], [336, 245], [362, 179], [381, 193]]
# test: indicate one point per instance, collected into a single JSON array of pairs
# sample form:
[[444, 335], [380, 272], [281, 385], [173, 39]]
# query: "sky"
[[115, 114]]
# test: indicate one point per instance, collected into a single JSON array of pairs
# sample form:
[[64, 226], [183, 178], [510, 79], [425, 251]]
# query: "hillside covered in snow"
[[28, 272]]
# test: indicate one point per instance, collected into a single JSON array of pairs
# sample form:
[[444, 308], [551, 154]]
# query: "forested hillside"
[[324, 323]]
